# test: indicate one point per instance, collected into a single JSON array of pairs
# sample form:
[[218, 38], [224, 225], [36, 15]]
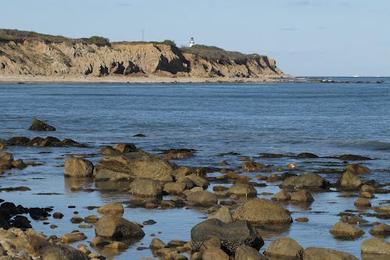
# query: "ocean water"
[[325, 119]]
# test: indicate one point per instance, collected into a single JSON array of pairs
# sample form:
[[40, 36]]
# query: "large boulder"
[[201, 198], [349, 181], [306, 181], [343, 230], [146, 188], [262, 212], [132, 165], [39, 125], [315, 253], [231, 235], [243, 189], [78, 167], [284, 247], [118, 229], [376, 246]]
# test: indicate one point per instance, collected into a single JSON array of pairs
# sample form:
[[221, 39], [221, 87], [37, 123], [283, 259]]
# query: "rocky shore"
[[238, 218]]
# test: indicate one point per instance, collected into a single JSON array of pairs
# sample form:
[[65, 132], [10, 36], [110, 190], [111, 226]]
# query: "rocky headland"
[[29, 56]]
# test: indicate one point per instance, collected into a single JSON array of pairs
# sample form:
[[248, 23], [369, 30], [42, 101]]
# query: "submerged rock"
[[39, 125], [262, 212], [353, 157], [78, 167], [231, 235], [252, 166]]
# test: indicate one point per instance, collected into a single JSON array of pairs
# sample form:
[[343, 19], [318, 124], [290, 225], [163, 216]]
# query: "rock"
[[133, 165], [55, 252], [18, 164], [302, 220], [223, 214], [362, 202], [118, 229], [78, 167], [367, 195], [357, 169], [58, 215], [214, 253], [248, 253], [174, 188], [212, 242], [91, 219], [202, 198], [197, 181], [252, 166], [309, 181], [367, 188], [156, 244], [73, 237], [284, 247], [347, 231], [243, 189], [39, 125], [262, 212], [307, 156], [349, 181], [301, 196], [380, 230], [145, 188], [375, 246], [231, 235], [125, 148], [313, 253], [291, 166], [18, 141], [6, 160], [282, 196], [178, 154], [111, 209], [353, 157]]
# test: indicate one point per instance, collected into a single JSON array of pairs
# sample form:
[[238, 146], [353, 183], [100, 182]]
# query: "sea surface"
[[327, 119]]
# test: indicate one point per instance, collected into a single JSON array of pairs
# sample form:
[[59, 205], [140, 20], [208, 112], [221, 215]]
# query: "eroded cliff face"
[[38, 58]]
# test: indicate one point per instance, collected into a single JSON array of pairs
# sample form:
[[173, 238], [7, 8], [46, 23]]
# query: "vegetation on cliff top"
[[213, 53], [7, 35]]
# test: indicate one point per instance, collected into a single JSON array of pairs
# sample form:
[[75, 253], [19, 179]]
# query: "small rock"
[[214, 253], [73, 237], [244, 252], [347, 231], [125, 148], [223, 214], [39, 125], [146, 188], [301, 196], [202, 198], [118, 229], [156, 244], [243, 189], [284, 247], [362, 202], [380, 230], [282, 196], [78, 167], [313, 253], [111, 209], [376, 246]]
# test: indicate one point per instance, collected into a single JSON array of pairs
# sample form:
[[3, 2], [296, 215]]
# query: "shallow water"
[[326, 119]]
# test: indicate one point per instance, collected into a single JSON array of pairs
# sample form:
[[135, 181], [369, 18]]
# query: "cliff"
[[29, 53]]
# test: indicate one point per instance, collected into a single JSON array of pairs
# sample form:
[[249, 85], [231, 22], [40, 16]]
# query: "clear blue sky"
[[306, 37]]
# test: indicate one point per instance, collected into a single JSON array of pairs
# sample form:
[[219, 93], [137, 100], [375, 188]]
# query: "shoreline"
[[26, 79]]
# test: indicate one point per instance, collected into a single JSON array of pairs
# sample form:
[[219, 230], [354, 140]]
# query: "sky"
[[306, 37]]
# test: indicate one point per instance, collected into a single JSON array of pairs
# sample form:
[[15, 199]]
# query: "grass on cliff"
[[212, 53], [8, 35]]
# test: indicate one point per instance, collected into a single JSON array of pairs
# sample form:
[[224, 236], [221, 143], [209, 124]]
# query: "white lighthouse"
[[192, 42]]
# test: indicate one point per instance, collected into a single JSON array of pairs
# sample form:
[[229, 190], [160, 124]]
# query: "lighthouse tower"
[[192, 42]]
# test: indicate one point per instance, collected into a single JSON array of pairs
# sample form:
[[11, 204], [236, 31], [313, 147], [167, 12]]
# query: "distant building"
[[192, 42]]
